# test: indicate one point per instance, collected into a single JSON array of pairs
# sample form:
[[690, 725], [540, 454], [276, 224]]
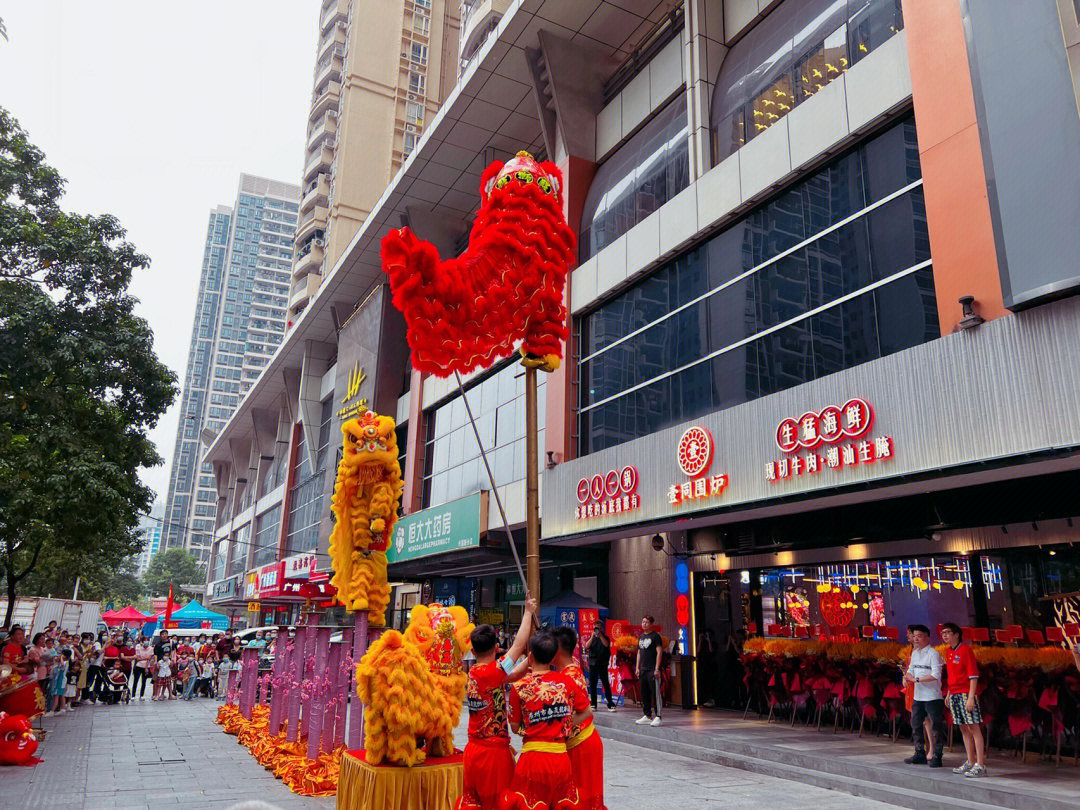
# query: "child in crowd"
[[204, 685], [162, 680], [489, 761], [584, 747], [117, 683], [58, 685], [544, 705]]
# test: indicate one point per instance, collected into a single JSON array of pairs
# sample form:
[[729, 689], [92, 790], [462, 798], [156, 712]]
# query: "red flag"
[[168, 608]]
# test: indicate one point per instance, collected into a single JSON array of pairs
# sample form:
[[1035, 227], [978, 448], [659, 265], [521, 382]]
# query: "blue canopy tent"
[[192, 616]]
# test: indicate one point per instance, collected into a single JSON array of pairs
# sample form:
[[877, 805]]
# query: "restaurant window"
[[267, 527], [238, 550], [642, 175], [306, 495], [797, 50], [832, 272], [452, 464]]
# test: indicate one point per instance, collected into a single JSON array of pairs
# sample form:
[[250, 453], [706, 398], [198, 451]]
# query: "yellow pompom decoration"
[[413, 686], [366, 498]]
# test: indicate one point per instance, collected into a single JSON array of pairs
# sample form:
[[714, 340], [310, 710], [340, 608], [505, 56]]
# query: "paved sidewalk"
[[156, 756]]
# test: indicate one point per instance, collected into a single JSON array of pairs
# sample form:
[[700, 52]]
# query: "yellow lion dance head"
[[414, 686]]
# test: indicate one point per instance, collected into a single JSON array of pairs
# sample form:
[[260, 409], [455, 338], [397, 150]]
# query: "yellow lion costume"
[[413, 686], [366, 498]]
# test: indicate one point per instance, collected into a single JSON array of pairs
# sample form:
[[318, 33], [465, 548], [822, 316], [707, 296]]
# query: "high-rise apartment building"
[[383, 68], [239, 322], [150, 531]]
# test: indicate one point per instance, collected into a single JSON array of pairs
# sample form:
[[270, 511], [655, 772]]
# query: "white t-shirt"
[[924, 662]]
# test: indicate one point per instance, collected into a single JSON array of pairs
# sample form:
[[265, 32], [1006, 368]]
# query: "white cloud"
[[151, 110]]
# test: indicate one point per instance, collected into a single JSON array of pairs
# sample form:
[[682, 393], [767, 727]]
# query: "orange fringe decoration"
[[288, 761]]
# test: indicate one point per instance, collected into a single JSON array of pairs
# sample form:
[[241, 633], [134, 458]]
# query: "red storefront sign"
[[695, 454], [269, 580], [829, 439], [613, 493]]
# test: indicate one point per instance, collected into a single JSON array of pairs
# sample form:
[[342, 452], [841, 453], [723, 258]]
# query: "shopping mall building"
[[823, 340]]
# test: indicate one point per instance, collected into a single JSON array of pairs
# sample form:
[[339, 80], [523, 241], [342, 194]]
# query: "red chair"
[[751, 628], [979, 634], [1002, 636], [966, 633], [1072, 629], [1016, 632], [1055, 635], [1036, 637], [774, 630], [785, 631], [802, 632], [868, 631], [892, 633]]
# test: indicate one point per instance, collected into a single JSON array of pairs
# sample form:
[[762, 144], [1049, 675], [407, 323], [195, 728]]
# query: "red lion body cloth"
[[507, 287]]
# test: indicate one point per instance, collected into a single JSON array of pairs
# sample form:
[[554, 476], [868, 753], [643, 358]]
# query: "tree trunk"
[[10, 597]]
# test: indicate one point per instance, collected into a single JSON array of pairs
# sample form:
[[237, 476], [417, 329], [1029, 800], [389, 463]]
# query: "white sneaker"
[[612, 709], [962, 769], [49, 714], [975, 772], [68, 709], [643, 720], [655, 722]]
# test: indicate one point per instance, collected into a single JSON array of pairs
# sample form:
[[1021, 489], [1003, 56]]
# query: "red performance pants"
[[489, 770], [542, 781], [587, 763]]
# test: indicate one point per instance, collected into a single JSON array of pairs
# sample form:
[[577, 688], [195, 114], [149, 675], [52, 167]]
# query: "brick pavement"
[[156, 756]]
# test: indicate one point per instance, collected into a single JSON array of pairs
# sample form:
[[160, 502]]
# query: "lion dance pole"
[[506, 290]]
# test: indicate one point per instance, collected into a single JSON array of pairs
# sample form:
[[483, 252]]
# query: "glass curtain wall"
[[831, 273], [267, 527], [793, 53], [306, 495]]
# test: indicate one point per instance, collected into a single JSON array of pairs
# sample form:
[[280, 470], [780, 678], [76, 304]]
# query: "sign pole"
[[532, 484]]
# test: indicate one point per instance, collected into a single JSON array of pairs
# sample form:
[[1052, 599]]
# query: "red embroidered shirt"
[[573, 672], [485, 695], [543, 706]]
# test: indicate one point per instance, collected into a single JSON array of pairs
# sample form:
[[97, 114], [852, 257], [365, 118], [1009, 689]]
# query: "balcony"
[[335, 37], [326, 126], [318, 163], [335, 11], [313, 220], [329, 70], [478, 19], [309, 258], [327, 100], [317, 193], [302, 293]]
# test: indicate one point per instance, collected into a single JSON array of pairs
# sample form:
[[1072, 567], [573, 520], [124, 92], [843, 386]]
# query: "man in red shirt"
[[962, 701], [544, 706], [489, 761], [584, 747]]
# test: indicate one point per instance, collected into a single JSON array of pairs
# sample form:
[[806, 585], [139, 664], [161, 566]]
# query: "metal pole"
[[532, 485], [491, 477]]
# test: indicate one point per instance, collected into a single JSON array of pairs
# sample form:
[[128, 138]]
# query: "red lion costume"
[[507, 287], [17, 740]]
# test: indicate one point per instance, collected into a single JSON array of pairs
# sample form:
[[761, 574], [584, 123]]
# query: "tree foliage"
[[80, 384], [176, 565]]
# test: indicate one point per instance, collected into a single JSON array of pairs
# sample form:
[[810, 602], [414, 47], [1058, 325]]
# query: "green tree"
[[80, 385], [176, 565]]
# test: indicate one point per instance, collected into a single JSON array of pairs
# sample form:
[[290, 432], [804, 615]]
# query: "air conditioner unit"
[[410, 128], [318, 242], [412, 96]]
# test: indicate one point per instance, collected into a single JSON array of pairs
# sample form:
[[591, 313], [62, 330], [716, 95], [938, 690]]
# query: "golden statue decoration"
[[366, 499]]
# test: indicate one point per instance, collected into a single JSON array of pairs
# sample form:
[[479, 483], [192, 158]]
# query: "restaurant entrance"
[[717, 662]]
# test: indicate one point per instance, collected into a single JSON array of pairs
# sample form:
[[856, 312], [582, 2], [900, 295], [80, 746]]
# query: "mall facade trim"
[[806, 245]]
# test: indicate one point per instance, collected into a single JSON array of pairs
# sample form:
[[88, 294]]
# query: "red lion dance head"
[[507, 287], [17, 740]]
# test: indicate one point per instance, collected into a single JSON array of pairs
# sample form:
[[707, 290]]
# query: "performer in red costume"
[[489, 760], [507, 287], [544, 706], [584, 747]]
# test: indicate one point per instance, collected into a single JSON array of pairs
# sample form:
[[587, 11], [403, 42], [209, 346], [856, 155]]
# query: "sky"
[[151, 110]]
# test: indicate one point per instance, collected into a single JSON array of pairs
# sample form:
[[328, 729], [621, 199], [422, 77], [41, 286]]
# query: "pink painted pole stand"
[[345, 689], [356, 713], [249, 676], [292, 732], [310, 641], [320, 693], [333, 698], [278, 693], [234, 678]]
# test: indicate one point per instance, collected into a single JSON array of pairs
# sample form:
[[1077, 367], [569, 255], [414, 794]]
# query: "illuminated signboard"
[[695, 454], [829, 439], [609, 494], [682, 606]]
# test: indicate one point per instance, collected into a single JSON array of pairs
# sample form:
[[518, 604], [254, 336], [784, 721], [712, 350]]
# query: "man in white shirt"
[[924, 672]]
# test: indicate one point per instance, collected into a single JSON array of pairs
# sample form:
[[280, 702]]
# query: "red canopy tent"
[[128, 615]]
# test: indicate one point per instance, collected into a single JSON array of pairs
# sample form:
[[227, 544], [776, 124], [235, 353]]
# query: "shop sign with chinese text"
[[611, 493], [225, 589], [694, 454], [837, 436], [451, 527], [300, 566]]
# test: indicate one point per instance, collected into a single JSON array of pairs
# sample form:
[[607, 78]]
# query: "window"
[[409, 143], [266, 536], [788, 57], [418, 81], [452, 464], [414, 113], [422, 3], [238, 550], [646, 172], [305, 511], [419, 53], [221, 551], [833, 272], [421, 24]]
